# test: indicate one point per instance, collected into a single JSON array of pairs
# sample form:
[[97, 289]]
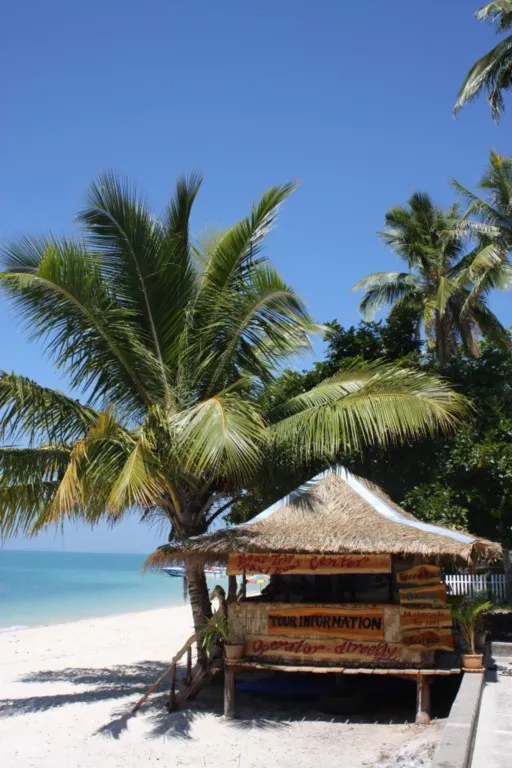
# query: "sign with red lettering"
[[249, 562], [428, 639], [364, 622], [434, 595], [421, 618], [340, 649], [420, 575]]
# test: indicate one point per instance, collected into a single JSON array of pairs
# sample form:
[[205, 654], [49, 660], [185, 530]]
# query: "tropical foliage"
[[492, 73], [172, 340], [463, 480], [489, 216], [445, 287], [468, 614]]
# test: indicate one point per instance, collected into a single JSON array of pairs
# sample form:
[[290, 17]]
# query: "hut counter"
[[324, 633]]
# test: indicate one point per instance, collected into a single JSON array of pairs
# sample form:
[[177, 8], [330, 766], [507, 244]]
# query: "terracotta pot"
[[472, 662], [234, 651]]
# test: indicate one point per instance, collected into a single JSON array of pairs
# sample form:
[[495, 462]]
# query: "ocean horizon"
[[40, 587]]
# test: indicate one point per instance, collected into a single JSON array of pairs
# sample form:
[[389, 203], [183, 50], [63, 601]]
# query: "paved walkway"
[[493, 744]]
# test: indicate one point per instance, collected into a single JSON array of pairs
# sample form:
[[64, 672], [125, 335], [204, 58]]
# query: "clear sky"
[[353, 99]]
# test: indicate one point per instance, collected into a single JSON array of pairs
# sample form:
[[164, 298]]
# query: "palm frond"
[[22, 504], [59, 292], [391, 405], [133, 252], [222, 435], [33, 412], [498, 12], [240, 245], [384, 289], [139, 482], [488, 324], [253, 329], [492, 72]]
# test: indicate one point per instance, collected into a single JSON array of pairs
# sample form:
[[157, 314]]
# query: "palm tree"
[[439, 288], [171, 341], [489, 220], [493, 72]]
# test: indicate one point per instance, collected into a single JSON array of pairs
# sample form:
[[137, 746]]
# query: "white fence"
[[469, 583]]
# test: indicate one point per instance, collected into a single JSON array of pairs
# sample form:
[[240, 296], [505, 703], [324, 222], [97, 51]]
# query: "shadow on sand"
[[358, 700]]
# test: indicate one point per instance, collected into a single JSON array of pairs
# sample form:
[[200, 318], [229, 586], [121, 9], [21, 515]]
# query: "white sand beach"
[[66, 692]]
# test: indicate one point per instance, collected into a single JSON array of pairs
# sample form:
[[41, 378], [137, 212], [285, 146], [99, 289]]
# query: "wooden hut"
[[356, 585]]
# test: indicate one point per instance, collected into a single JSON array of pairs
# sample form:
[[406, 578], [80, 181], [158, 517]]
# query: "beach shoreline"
[[93, 617]]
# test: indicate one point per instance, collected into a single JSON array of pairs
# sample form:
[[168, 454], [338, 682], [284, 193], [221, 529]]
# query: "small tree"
[[467, 614]]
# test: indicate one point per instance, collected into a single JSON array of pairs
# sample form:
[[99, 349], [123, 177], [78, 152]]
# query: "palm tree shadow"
[[129, 682], [163, 724], [103, 684]]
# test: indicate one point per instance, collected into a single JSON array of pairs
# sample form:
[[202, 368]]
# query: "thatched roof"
[[334, 513]]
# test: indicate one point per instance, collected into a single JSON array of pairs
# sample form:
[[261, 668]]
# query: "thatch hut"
[[356, 584]]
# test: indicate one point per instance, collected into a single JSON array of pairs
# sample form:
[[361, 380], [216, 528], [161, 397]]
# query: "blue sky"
[[354, 100]]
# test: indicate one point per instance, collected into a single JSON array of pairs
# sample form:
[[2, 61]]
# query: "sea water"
[[38, 588]]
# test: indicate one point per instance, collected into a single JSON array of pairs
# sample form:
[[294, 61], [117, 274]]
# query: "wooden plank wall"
[[251, 618]]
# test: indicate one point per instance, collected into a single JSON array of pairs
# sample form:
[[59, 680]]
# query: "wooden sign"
[[428, 639], [364, 622], [420, 575], [340, 650], [434, 595], [421, 618], [279, 564]]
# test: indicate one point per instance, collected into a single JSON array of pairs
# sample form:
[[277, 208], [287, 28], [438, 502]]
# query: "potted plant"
[[215, 635], [468, 614]]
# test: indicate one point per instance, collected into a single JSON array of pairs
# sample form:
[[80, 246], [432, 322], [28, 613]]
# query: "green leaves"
[[221, 436], [444, 287], [173, 342], [58, 290], [491, 73], [367, 405], [32, 412], [385, 289]]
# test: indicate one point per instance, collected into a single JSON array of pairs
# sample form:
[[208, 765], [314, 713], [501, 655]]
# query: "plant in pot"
[[468, 614], [215, 636]]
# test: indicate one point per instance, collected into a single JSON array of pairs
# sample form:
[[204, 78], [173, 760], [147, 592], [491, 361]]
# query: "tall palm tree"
[[488, 219], [439, 288], [171, 340], [493, 72]]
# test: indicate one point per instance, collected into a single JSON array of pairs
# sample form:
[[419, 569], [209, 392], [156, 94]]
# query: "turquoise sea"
[[38, 588]]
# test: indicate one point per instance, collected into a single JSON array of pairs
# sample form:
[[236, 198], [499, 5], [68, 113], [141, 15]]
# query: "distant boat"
[[210, 572], [175, 570]]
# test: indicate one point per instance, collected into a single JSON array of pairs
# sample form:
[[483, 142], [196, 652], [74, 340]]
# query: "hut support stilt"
[[229, 692], [423, 699], [232, 589]]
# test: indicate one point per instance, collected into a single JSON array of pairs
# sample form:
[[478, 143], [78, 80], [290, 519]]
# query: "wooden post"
[[189, 666], [172, 699], [507, 567], [232, 589], [229, 692], [423, 699]]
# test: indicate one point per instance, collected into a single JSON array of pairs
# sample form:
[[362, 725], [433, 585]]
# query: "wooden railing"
[[187, 649], [197, 671], [171, 671]]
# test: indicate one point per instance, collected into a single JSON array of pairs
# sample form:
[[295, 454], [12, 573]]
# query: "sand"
[[66, 692]]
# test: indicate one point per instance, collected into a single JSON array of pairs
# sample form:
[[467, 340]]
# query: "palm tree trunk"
[[185, 526], [199, 601], [442, 340], [198, 594]]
